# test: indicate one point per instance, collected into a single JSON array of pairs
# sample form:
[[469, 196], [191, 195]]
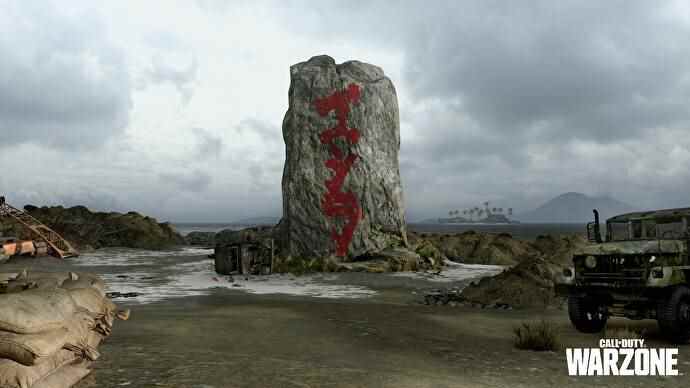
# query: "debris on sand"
[[453, 297], [115, 295]]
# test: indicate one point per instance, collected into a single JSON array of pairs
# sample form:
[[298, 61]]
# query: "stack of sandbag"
[[50, 327]]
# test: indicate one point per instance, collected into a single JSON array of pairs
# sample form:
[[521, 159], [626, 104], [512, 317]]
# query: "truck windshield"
[[618, 231], [646, 230]]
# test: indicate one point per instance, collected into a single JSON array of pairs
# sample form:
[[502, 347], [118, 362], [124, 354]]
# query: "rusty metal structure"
[[15, 247], [245, 257], [56, 245]]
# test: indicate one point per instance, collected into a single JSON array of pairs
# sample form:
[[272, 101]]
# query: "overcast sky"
[[174, 109]]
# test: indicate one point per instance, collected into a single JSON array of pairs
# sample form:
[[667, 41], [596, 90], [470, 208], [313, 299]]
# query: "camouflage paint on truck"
[[642, 270]]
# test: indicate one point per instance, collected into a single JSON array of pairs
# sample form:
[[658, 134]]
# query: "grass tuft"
[[538, 336]]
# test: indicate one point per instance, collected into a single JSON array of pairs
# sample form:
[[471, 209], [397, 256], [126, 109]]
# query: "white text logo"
[[622, 357]]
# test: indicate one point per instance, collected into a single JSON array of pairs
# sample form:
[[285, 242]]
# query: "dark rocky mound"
[[87, 229], [479, 248], [530, 282], [207, 239], [497, 248]]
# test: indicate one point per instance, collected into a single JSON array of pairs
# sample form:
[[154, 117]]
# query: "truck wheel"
[[586, 314], [673, 315]]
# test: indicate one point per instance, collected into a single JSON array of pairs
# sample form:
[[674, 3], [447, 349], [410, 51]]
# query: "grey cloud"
[[182, 77], [267, 131], [62, 83], [560, 70], [209, 145], [196, 181]]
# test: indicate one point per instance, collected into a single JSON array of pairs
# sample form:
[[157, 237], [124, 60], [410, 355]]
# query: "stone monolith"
[[342, 195]]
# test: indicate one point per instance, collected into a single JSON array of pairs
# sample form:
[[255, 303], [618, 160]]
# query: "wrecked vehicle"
[[640, 270]]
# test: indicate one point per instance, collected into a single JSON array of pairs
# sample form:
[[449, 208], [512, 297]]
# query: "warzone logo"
[[622, 357]]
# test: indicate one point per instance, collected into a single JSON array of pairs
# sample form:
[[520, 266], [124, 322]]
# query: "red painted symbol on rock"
[[335, 202]]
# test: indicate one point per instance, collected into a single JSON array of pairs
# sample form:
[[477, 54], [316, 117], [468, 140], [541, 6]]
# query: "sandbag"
[[92, 300], [35, 311], [26, 280], [16, 375], [65, 377], [31, 349], [23, 285], [60, 277], [81, 339], [85, 280], [78, 335], [102, 308]]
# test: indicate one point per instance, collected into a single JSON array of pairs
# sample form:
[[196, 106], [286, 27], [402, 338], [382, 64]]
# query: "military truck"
[[638, 270]]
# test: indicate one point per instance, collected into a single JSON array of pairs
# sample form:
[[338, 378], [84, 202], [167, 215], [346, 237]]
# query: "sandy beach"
[[188, 329]]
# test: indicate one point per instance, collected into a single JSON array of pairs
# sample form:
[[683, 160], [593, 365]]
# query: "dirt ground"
[[231, 338], [240, 340]]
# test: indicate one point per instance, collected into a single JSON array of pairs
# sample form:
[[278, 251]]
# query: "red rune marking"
[[335, 202]]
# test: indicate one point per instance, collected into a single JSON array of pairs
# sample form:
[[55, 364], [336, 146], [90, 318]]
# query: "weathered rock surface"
[[342, 195], [87, 229]]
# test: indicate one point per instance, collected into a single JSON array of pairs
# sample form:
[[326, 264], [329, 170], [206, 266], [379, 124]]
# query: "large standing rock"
[[341, 182]]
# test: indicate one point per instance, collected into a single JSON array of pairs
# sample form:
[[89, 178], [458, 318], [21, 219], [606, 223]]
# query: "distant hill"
[[575, 207]]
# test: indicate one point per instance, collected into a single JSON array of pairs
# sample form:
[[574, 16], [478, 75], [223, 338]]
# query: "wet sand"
[[231, 338]]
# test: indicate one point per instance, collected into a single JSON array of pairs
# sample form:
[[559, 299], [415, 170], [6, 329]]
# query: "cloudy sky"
[[174, 108]]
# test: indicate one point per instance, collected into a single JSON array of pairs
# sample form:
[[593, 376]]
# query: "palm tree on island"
[[486, 214]]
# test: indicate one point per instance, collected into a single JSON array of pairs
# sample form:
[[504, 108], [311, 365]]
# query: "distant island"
[[571, 207], [478, 215], [490, 219]]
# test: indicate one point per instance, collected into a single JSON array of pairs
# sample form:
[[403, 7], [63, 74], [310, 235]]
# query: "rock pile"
[[530, 283], [480, 248], [50, 327], [342, 195], [206, 239], [87, 229], [499, 248]]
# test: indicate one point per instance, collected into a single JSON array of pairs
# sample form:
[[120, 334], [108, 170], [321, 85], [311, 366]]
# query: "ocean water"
[[185, 228], [520, 231], [524, 231]]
